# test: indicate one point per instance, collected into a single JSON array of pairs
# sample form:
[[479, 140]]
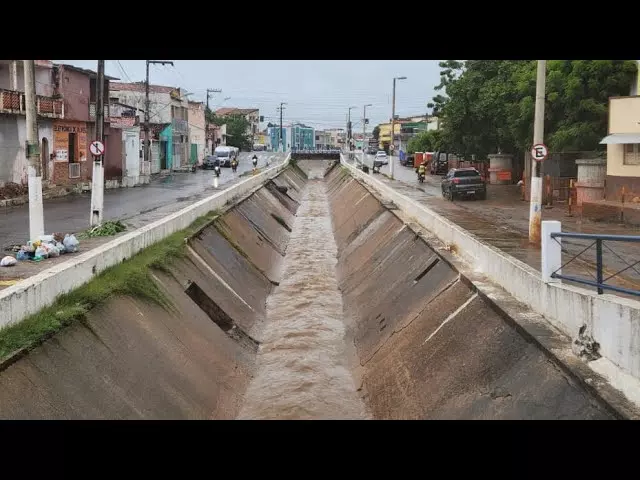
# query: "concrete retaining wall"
[[35, 293], [613, 322]]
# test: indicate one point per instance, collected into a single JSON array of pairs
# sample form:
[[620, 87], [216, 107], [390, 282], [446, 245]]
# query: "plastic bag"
[[8, 261], [22, 255], [46, 238], [71, 243], [61, 248], [41, 252], [53, 251]]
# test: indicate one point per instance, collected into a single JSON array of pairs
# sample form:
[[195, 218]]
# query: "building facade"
[[623, 148], [126, 119], [196, 133], [160, 117], [302, 137], [13, 135], [323, 140], [252, 115], [72, 162]]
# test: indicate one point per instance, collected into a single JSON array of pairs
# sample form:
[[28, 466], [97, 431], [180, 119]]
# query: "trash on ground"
[[8, 261], [8, 283], [46, 246]]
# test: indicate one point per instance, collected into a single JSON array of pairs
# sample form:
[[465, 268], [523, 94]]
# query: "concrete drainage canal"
[[306, 300]]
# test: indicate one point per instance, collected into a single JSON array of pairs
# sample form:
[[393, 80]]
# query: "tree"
[[376, 132], [237, 128], [425, 142], [489, 104]]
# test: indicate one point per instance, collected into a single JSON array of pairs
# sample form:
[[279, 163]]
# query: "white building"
[[13, 131]]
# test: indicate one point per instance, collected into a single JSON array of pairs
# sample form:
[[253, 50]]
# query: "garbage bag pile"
[[47, 246]]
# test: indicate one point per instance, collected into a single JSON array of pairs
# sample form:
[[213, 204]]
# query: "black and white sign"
[[96, 148], [539, 152]]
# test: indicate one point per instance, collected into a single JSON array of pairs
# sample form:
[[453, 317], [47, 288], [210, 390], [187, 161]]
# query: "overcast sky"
[[317, 93]]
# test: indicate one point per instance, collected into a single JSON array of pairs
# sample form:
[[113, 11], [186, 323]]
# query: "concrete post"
[[551, 250]]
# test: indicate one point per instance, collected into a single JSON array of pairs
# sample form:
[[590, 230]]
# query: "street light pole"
[[364, 127], [393, 124], [535, 206], [349, 130]]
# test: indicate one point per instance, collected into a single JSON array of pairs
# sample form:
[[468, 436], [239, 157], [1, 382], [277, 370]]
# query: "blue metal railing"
[[598, 241]]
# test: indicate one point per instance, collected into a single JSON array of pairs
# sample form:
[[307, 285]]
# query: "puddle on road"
[[303, 369]]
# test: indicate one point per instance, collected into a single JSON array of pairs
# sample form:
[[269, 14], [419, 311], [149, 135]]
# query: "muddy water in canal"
[[303, 362]]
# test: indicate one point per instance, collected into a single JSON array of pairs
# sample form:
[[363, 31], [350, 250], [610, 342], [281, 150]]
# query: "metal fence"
[[612, 266]]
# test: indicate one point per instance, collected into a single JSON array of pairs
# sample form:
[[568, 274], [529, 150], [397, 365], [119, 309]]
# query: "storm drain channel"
[[302, 364]]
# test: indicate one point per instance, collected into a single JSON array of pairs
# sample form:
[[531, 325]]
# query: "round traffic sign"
[[539, 152], [96, 148]]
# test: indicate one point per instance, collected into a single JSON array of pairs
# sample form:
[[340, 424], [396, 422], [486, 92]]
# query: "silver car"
[[381, 158]]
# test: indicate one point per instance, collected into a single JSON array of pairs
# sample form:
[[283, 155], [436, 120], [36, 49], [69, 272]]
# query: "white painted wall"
[[131, 152], [159, 103], [13, 135]]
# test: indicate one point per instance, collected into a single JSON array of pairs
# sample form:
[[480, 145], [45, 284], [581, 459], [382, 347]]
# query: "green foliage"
[[237, 136], [488, 106], [376, 132], [430, 141], [106, 229], [132, 277]]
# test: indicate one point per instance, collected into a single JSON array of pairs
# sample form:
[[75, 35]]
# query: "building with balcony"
[[72, 135], [168, 118], [13, 135], [323, 139]]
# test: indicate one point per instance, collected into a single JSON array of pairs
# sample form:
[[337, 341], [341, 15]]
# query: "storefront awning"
[[620, 138]]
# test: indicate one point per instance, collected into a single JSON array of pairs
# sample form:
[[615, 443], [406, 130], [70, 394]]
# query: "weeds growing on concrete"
[[132, 277], [106, 229]]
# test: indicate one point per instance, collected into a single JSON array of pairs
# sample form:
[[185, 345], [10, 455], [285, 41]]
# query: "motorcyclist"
[[422, 169], [254, 159], [234, 164], [216, 168]]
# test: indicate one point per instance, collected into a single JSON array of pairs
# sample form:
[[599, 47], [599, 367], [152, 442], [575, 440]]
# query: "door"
[[194, 154], [44, 159], [131, 149]]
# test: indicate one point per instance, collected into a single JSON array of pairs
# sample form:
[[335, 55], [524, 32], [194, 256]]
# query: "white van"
[[225, 155]]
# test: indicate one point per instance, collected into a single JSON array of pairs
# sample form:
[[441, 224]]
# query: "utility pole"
[[281, 108], [206, 120], [535, 207], [364, 126], [97, 178], [147, 140], [349, 129], [36, 211], [393, 125]]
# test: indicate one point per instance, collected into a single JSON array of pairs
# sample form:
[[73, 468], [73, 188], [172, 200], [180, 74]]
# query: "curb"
[[532, 327]]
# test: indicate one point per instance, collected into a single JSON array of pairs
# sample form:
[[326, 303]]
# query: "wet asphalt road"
[[71, 214]]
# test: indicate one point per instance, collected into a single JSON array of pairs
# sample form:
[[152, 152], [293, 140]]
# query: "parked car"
[[210, 161], [463, 182], [381, 157]]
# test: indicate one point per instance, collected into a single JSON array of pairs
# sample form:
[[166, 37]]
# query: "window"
[[631, 154]]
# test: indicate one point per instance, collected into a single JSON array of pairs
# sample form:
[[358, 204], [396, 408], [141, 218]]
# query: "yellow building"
[[623, 146], [384, 138]]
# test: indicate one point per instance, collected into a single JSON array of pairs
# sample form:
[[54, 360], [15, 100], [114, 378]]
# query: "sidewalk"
[[503, 222], [26, 269]]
